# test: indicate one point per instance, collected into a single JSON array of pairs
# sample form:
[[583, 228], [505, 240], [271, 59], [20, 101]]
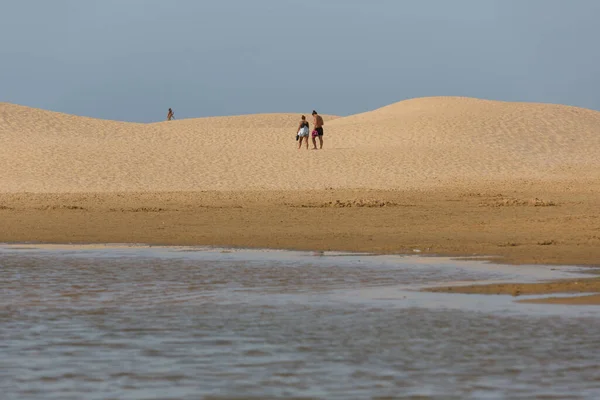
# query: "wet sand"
[[591, 300], [533, 226], [589, 285]]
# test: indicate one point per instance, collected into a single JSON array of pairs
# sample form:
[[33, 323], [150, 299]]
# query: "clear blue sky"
[[132, 59]]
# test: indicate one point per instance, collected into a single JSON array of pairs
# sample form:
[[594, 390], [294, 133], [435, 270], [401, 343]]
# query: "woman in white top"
[[302, 133]]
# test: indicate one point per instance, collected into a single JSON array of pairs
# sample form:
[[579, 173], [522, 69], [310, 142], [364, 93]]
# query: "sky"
[[131, 60]]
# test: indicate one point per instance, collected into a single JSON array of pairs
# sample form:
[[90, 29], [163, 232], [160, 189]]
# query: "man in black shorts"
[[318, 132]]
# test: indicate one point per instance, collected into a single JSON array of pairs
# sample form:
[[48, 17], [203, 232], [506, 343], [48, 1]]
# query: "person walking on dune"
[[302, 132], [318, 131], [170, 115]]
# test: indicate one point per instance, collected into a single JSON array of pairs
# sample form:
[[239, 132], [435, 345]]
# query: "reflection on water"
[[158, 323]]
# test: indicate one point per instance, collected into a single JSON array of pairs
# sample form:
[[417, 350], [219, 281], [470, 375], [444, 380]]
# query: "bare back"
[[318, 121]]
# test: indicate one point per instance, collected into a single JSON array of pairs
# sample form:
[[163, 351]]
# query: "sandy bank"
[[532, 226], [413, 144], [443, 175]]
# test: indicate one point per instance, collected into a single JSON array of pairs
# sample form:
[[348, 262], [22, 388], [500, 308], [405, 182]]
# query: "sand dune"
[[411, 144]]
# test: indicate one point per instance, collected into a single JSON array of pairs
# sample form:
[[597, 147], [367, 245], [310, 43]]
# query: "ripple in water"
[[173, 323]]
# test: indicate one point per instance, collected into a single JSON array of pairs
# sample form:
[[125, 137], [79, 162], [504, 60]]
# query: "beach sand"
[[442, 175]]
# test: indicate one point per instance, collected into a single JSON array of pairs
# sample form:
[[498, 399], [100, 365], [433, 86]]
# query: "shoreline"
[[581, 290], [528, 226], [532, 225]]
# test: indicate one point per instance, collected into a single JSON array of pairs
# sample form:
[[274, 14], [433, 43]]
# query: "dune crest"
[[411, 144]]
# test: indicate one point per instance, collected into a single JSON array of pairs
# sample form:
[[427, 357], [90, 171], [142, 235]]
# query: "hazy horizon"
[[132, 60]]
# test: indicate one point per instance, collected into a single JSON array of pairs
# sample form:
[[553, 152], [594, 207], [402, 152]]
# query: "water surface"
[[100, 322]]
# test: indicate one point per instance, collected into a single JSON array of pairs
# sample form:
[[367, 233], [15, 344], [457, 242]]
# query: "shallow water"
[[102, 322]]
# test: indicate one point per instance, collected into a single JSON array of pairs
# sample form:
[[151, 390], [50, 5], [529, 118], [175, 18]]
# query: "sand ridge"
[[418, 143], [437, 176]]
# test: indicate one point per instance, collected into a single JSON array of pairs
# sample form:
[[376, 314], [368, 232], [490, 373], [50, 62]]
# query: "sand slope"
[[415, 143]]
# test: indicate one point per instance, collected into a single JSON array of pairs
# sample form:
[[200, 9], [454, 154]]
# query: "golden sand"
[[442, 175], [418, 143]]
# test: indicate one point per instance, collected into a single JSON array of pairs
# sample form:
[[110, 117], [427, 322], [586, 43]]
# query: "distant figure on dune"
[[170, 115], [302, 132], [318, 132]]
